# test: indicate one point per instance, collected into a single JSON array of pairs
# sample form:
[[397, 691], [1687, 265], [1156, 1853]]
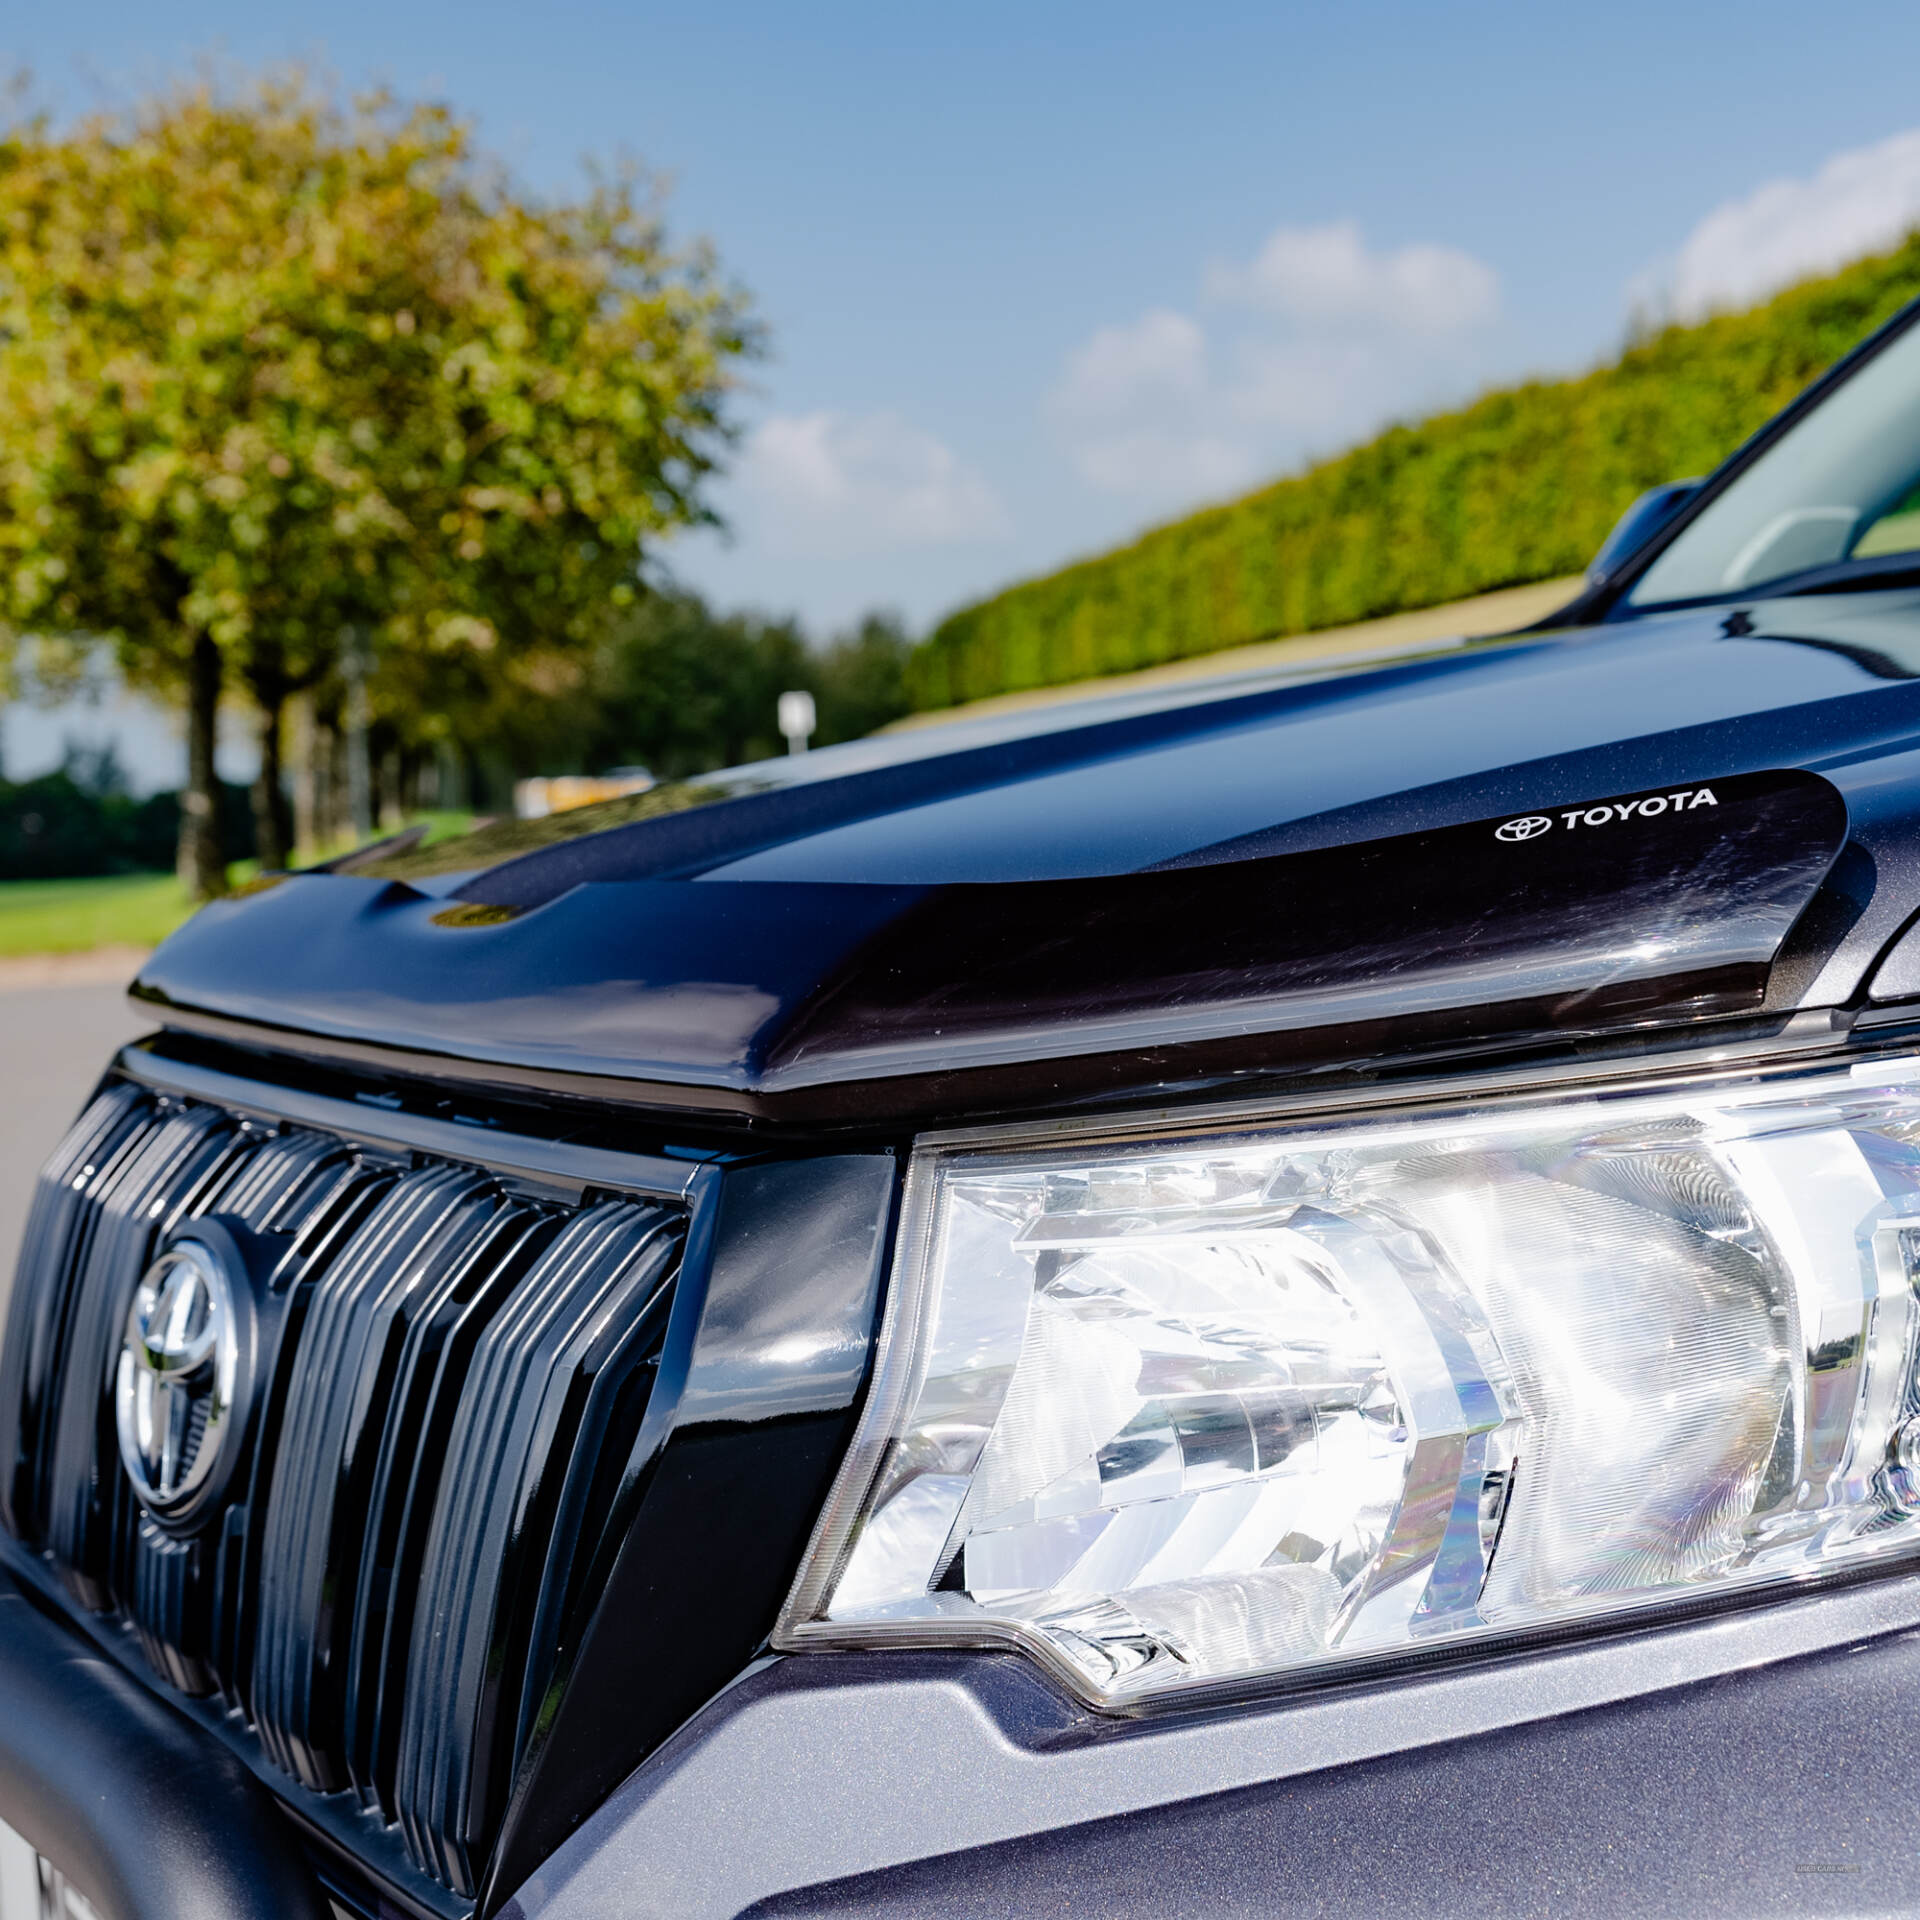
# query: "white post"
[[797, 720]]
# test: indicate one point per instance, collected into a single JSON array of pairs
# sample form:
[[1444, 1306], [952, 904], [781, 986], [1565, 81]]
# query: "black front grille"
[[453, 1367]]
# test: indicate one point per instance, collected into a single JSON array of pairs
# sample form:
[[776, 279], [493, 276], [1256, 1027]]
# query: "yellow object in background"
[[535, 799]]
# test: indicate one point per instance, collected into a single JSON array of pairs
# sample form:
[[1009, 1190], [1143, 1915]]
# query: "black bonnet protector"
[[832, 1003]]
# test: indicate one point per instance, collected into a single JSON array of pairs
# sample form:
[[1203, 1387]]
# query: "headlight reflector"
[[1182, 1412]]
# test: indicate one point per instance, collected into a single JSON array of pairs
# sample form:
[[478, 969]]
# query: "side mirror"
[[1639, 524]]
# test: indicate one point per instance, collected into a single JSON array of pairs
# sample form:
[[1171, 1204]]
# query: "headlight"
[[1184, 1411]]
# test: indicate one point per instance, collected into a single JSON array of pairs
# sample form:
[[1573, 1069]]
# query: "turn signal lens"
[[1185, 1412]]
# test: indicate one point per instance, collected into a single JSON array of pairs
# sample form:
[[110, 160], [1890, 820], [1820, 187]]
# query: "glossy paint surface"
[[763, 1399], [1344, 742], [148, 1817], [1110, 894], [1651, 901]]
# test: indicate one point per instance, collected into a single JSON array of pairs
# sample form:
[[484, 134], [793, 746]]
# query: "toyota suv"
[[1293, 1295]]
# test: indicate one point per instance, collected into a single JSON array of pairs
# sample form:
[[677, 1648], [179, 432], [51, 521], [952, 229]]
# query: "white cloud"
[[864, 482], [1860, 202], [1127, 401], [1312, 342], [1322, 275], [1161, 353], [1309, 385], [1184, 465]]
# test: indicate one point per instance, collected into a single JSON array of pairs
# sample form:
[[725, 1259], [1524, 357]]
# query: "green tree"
[[275, 372], [675, 687], [860, 680]]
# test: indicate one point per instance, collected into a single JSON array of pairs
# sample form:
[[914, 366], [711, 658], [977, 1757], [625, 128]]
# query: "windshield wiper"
[[1838, 576]]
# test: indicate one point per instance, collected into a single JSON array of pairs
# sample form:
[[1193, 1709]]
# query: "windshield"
[[1842, 485]]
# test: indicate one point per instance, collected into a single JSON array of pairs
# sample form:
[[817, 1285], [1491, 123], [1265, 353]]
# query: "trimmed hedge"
[[60, 828], [1520, 486]]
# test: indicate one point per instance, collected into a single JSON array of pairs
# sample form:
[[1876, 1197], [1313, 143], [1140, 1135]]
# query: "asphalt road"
[[53, 1043]]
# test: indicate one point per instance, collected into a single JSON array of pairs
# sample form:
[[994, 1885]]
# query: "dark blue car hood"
[[1147, 895]]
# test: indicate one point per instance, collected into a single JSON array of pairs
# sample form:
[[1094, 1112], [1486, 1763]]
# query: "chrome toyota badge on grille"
[[174, 1390]]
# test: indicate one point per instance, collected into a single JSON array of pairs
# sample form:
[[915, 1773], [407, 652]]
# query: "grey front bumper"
[[1754, 1762]]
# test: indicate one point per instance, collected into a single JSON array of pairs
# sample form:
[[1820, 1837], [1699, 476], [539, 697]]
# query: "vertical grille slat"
[[450, 1379], [60, 1228], [285, 1181], [492, 1549], [335, 1407], [615, 1386], [165, 1178], [433, 1373]]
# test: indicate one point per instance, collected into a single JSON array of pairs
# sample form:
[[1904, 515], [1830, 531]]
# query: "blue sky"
[[1037, 276]]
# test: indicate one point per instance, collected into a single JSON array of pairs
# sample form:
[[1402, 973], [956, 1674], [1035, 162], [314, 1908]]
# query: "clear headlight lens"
[[1181, 1412]]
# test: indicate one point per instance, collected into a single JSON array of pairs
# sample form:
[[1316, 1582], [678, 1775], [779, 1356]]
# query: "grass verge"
[[74, 916], [122, 909]]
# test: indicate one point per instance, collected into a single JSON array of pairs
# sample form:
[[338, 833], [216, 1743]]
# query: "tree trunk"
[[342, 832], [272, 826], [306, 779], [202, 871], [473, 783], [391, 805], [325, 803], [353, 666]]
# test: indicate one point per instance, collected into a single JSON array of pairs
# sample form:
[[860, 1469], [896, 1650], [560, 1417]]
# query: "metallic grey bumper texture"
[[1752, 1763]]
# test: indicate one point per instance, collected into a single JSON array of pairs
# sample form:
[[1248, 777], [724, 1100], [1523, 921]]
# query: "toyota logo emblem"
[[1525, 828], [174, 1388]]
